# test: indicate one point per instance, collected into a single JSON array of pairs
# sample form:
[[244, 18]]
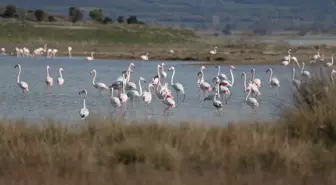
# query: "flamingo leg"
[[133, 103], [228, 98], [218, 112], [99, 93], [147, 109], [184, 96], [177, 97]]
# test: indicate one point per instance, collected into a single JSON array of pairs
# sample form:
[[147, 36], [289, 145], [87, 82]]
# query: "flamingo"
[[223, 90], [295, 82], [26, 52], [130, 85], [171, 51], [114, 100], [84, 112], [49, 53], [53, 52], [274, 82], [256, 81], [216, 103], [99, 85], [60, 79], [91, 57], [287, 58], [163, 74], [144, 57], [252, 102], [304, 73], [214, 51], [132, 94], [332, 75], [251, 87], [3, 51], [330, 64], [69, 51], [48, 80], [316, 57], [169, 102], [38, 52], [23, 85], [227, 82], [123, 97], [117, 85], [163, 88], [204, 86], [221, 76], [147, 96], [178, 87], [18, 54]]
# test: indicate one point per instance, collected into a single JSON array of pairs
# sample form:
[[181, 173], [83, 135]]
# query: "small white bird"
[[84, 112], [144, 57], [171, 51], [91, 57], [214, 51]]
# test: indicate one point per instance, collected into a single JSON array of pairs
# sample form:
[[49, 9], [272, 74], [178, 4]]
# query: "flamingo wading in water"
[[48, 80], [98, 85], [178, 87], [23, 85], [147, 96], [84, 112], [274, 82], [60, 79]]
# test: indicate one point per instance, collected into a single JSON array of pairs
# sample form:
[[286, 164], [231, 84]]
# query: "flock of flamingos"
[[218, 91]]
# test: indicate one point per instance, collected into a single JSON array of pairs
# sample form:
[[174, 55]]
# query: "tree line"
[[75, 15]]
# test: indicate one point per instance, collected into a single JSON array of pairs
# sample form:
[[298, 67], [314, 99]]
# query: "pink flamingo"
[[169, 102], [228, 83], [23, 85], [60, 79], [123, 98], [204, 86], [256, 81], [48, 80]]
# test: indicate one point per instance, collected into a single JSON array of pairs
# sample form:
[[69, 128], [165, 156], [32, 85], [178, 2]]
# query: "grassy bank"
[[299, 148], [120, 41]]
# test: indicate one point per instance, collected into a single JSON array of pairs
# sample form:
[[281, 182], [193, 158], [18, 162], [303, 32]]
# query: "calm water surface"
[[64, 103]]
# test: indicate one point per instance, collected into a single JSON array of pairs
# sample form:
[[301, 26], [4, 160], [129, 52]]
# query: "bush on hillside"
[[10, 11], [121, 19], [107, 20], [97, 15], [132, 20], [75, 14], [40, 15]]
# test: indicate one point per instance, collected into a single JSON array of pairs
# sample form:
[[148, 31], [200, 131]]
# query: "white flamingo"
[[147, 96], [26, 52], [316, 57], [169, 102], [255, 80], [221, 76], [49, 79], [3, 51], [130, 85], [304, 73], [178, 87], [133, 94], [274, 82], [330, 64], [163, 73], [49, 53], [144, 57], [91, 57], [216, 103], [204, 86], [99, 85], [295, 82], [252, 102], [69, 51], [23, 85], [114, 100], [53, 52], [123, 98], [18, 53], [84, 112], [60, 79]]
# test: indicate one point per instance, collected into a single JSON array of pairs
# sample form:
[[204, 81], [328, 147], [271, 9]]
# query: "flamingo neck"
[[248, 94], [244, 80], [128, 75], [140, 88], [18, 76], [218, 72], [218, 94], [332, 77], [332, 59], [84, 104], [303, 65], [172, 78], [293, 74], [271, 74], [92, 55], [232, 77], [60, 73], [48, 72], [112, 93], [94, 78]]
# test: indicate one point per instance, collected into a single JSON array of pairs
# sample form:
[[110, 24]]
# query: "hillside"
[[199, 13]]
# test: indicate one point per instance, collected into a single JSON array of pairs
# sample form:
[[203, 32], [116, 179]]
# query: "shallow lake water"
[[64, 102]]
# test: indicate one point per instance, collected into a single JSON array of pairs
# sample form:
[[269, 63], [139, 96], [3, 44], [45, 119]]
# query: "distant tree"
[[107, 20], [75, 14], [10, 11], [227, 29], [132, 20], [121, 19], [96, 14], [141, 22], [52, 18], [40, 15]]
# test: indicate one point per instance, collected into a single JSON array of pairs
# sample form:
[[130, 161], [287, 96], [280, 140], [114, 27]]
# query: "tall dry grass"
[[297, 149]]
